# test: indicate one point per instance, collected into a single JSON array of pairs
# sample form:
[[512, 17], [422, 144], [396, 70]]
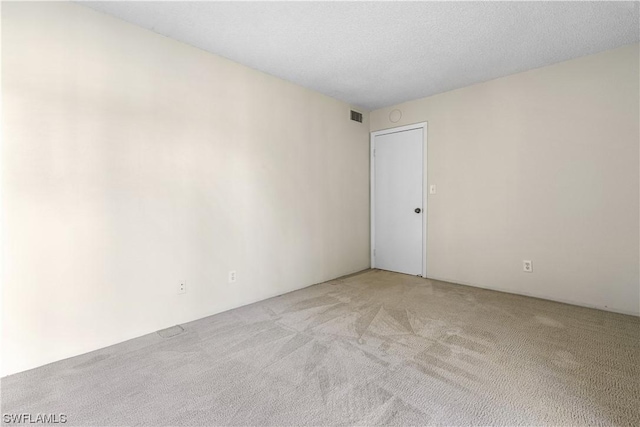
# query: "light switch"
[[432, 189]]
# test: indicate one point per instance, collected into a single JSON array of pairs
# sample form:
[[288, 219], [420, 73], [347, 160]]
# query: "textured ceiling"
[[378, 54]]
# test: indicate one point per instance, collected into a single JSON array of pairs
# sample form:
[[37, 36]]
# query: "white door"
[[398, 209]]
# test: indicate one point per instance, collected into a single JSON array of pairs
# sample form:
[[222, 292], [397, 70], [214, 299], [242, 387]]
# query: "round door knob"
[[418, 210]]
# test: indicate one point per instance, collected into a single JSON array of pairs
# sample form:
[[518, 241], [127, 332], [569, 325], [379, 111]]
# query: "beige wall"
[[132, 162], [543, 166]]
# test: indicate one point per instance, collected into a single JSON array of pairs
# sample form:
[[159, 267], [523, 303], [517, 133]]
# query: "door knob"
[[418, 210]]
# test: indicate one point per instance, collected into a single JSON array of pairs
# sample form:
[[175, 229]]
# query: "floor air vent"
[[171, 332], [356, 117]]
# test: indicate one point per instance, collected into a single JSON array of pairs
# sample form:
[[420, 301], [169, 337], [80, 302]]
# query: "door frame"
[[425, 186]]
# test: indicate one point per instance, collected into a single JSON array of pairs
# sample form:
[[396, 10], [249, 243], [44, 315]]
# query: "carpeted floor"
[[376, 348]]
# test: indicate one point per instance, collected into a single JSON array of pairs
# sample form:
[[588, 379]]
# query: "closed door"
[[398, 209]]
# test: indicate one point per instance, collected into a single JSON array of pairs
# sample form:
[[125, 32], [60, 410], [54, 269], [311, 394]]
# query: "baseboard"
[[534, 295], [186, 320]]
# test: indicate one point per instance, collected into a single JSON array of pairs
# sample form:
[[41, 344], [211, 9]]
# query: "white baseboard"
[[534, 295]]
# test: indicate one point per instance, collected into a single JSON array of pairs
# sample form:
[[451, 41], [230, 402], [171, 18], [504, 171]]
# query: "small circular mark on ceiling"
[[395, 116]]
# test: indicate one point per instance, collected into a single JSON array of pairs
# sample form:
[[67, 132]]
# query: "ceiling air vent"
[[356, 117]]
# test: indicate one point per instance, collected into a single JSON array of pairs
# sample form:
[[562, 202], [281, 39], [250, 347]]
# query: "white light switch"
[[432, 189]]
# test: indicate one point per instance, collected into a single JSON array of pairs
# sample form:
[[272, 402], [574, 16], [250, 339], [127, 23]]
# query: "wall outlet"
[[232, 276], [432, 189], [527, 266], [182, 287]]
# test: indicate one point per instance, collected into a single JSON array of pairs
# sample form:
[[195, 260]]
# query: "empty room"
[[320, 213]]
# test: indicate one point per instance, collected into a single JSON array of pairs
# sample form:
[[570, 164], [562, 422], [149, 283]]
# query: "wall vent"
[[356, 117]]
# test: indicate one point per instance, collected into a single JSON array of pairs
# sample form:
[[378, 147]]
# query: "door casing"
[[425, 187]]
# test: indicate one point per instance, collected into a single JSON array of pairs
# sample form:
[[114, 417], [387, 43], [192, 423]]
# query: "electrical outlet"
[[182, 287], [232, 276], [527, 266], [432, 189]]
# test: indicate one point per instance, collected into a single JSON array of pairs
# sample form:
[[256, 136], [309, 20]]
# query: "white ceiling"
[[378, 54]]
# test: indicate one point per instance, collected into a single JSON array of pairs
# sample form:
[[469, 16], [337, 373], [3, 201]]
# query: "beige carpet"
[[376, 348]]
